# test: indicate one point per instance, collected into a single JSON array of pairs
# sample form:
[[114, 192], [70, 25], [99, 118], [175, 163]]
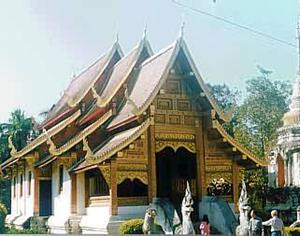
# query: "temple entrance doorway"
[[173, 170], [45, 197]]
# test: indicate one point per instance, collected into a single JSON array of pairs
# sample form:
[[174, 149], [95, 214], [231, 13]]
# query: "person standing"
[[276, 224], [255, 225], [204, 226]]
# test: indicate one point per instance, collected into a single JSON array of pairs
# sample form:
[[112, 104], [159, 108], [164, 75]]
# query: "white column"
[[80, 193], [295, 169], [290, 170]]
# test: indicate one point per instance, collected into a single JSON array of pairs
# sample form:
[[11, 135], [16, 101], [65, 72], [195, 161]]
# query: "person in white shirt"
[[276, 224]]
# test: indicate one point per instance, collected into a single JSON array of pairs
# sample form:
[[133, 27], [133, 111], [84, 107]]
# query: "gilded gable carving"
[[173, 87], [218, 168], [105, 170], [164, 104], [184, 105], [141, 175], [174, 119], [160, 118], [135, 151], [175, 136], [189, 120]]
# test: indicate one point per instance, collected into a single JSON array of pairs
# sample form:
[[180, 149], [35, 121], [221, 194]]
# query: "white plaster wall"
[[14, 203], [96, 220], [21, 199], [295, 170], [61, 201], [29, 197], [61, 205], [80, 194]]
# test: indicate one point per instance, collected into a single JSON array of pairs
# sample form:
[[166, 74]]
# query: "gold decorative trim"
[[84, 133], [52, 147], [218, 168], [160, 145], [238, 146], [43, 137], [174, 136], [132, 167], [105, 170], [107, 154], [141, 175]]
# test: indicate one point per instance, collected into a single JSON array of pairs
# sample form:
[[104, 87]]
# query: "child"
[[255, 225], [204, 226]]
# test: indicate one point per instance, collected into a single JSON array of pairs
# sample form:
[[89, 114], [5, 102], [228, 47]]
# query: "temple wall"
[[29, 196], [61, 200], [14, 199]]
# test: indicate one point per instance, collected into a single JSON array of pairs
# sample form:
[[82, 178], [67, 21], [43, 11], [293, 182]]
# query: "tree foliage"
[[260, 114], [255, 122], [20, 128]]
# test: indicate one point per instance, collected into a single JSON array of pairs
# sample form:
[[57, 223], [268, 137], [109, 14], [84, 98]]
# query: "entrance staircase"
[[219, 213], [167, 216]]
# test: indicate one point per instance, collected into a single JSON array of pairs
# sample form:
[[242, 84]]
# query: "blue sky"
[[43, 43]]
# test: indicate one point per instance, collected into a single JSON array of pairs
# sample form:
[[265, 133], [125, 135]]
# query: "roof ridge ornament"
[[182, 27], [71, 102], [145, 32], [87, 148], [130, 101], [99, 99], [52, 148], [11, 146]]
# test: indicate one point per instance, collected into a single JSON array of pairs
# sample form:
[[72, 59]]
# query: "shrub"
[[289, 231], [134, 226], [3, 212], [25, 231]]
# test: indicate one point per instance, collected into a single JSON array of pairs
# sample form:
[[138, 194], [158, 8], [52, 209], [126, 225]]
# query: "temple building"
[[128, 130]]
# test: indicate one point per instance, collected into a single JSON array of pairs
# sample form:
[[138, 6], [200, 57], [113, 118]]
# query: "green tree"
[[227, 99], [256, 122], [260, 114], [20, 128]]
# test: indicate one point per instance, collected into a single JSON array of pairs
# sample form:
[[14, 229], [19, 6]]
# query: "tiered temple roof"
[[118, 91]]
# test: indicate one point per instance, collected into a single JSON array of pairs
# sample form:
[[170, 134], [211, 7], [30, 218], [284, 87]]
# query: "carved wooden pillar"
[[36, 192], [73, 193], [235, 184], [200, 159], [86, 190], [205, 126], [152, 160], [113, 187]]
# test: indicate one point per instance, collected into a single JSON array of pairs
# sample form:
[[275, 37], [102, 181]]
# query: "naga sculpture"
[[148, 225], [186, 210], [244, 208]]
